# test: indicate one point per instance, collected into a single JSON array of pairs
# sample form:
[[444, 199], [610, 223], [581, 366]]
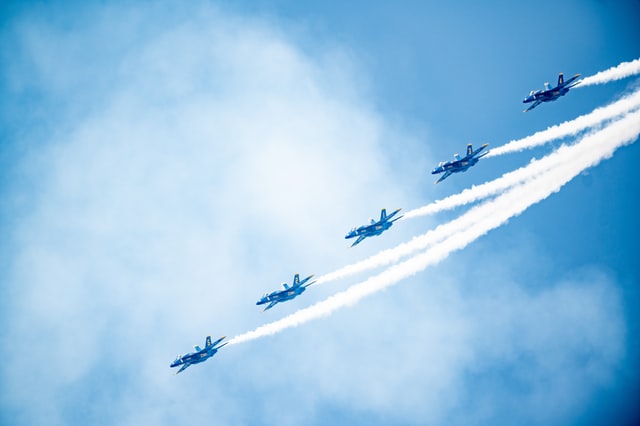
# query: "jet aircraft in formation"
[[287, 293], [374, 228], [200, 355], [459, 164], [551, 94]]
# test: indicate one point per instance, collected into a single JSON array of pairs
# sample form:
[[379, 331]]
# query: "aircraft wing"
[[535, 104], [270, 305], [184, 367], [360, 238], [444, 176]]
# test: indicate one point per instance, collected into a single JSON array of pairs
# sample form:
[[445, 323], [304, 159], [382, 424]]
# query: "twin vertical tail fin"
[[383, 214], [208, 343], [560, 79], [469, 150]]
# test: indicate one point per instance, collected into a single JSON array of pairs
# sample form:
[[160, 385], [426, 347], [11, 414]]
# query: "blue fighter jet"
[[551, 94], [460, 164], [200, 355], [374, 228], [287, 293]]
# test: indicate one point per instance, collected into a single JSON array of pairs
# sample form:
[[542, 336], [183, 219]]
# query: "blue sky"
[[163, 165]]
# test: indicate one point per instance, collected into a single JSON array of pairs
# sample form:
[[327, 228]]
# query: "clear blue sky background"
[[163, 164]]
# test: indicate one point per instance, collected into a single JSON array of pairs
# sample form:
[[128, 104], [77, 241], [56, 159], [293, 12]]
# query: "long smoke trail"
[[492, 214], [572, 127], [535, 168], [624, 70], [478, 192]]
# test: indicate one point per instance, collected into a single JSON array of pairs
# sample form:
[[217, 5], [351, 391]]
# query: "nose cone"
[[436, 170], [351, 234]]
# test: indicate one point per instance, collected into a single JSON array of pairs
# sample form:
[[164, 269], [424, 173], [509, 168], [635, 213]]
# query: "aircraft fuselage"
[[282, 295]]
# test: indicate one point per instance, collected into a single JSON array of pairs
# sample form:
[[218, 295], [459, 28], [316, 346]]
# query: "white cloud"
[[221, 160]]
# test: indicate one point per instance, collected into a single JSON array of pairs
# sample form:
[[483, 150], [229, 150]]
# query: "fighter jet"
[[200, 355], [551, 94], [287, 293], [459, 164], [374, 228]]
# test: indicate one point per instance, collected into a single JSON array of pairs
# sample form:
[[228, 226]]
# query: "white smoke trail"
[[624, 70], [478, 192], [536, 167], [595, 147], [572, 127]]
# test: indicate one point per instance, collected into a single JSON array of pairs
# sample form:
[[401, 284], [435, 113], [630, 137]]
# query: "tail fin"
[[208, 342], [383, 214], [560, 79], [469, 150], [296, 280]]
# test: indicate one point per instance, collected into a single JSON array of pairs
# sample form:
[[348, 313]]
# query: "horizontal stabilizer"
[[395, 212], [397, 218], [219, 340]]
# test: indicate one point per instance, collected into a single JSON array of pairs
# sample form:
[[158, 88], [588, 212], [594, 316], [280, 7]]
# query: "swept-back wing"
[[270, 305], [359, 240], [533, 105], [444, 176]]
